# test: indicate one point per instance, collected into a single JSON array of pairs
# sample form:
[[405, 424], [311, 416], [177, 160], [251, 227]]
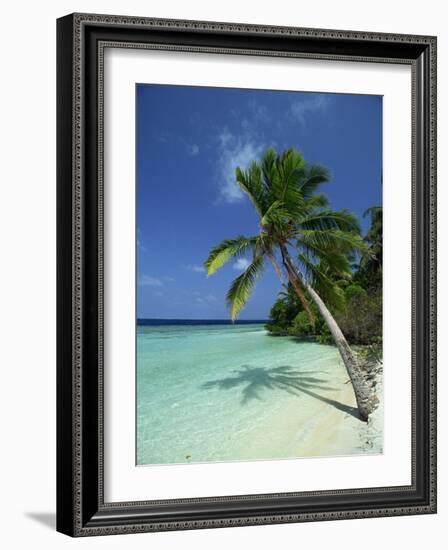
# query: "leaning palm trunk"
[[360, 386]]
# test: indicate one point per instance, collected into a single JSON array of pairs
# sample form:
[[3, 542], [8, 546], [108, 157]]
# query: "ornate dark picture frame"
[[81, 509]]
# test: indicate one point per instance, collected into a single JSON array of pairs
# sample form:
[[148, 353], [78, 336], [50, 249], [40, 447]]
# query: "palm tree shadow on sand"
[[256, 380]]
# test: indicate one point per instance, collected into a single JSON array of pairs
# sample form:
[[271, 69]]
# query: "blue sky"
[[189, 142]]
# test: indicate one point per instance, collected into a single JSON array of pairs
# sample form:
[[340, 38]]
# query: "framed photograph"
[[246, 274]]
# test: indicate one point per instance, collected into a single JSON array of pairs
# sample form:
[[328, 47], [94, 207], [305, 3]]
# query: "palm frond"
[[269, 168], [250, 182], [373, 212], [338, 262], [290, 167], [332, 239], [242, 287], [322, 283], [316, 202], [313, 176], [226, 250], [276, 213], [282, 176], [328, 219]]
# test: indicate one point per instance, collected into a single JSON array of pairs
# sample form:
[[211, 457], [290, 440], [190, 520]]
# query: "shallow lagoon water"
[[231, 392]]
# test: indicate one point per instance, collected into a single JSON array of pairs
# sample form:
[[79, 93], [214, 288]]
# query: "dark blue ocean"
[[195, 322]]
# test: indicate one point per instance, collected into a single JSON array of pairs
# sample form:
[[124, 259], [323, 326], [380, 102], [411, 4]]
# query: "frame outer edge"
[[78, 253], [221, 26], [433, 274], [70, 516], [65, 442]]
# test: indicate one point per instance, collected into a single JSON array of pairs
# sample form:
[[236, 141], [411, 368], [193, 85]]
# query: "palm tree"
[[373, 259], [296, 221], [370, 267]]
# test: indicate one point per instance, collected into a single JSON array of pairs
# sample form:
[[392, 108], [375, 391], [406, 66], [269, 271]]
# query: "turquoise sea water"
[[218, 393]]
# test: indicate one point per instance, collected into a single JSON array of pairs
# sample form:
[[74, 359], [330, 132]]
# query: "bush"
[[282, 314], [363, 320], [301, 325], [325, 336], [275, 330], [354, 292]]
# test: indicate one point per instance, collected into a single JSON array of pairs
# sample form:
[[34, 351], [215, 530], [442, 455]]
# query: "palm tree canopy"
[[293, 215]]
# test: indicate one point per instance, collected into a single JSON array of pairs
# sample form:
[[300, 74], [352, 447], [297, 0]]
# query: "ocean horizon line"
[[145, 321]]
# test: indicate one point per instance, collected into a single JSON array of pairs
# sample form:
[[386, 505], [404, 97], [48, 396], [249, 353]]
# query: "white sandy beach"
[[323, 423], [339, 433]]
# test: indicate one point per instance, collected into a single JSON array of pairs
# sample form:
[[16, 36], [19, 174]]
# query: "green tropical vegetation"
[[312, 249], [359, 314]]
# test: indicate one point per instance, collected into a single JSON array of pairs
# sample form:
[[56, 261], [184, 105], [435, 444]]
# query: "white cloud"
[[208, 299], [225, 137], [196, 268], [169, 279], [234, 151], [147, 280], [241, 264], [301, 108]]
